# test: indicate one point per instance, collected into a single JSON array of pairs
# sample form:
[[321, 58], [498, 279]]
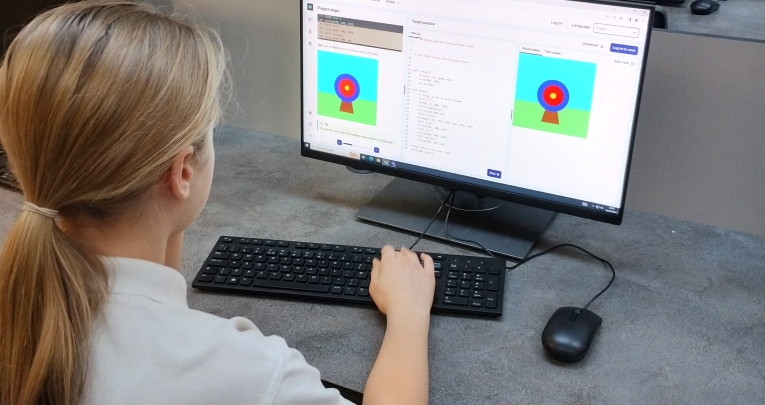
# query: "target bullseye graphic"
[[347, 89], [553, 97]]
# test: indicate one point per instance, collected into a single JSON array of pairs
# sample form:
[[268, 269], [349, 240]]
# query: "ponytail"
[[50, 291]]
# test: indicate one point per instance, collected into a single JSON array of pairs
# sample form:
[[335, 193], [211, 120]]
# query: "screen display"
[[531, 98]]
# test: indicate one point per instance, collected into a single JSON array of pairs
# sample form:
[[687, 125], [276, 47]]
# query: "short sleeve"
[[301, 384]]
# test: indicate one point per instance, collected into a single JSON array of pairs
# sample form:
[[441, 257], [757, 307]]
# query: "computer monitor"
[[530, 102]]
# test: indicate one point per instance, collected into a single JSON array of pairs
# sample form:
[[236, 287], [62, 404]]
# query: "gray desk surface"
[[735, 18], [683, 323]]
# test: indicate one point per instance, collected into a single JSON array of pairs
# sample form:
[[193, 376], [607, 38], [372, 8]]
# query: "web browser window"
[[517, 95]]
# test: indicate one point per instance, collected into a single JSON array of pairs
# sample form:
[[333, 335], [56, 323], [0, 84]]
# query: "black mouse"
[[569, 333], [704, 7]]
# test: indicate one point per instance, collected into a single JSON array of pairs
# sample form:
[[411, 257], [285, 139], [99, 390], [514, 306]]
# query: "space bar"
[[289, 285]]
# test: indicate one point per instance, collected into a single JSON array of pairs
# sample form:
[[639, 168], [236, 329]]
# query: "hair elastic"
[[46, 212]]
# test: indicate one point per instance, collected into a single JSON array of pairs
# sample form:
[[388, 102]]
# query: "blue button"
[[628, 49], [494, 173], [377, 150], [339, 142]]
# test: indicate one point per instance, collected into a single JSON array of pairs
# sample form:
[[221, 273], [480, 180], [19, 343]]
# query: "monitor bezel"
[[448, 183]]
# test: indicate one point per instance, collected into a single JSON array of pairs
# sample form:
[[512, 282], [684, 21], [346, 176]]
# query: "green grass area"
[[364, 112], [572, 122]]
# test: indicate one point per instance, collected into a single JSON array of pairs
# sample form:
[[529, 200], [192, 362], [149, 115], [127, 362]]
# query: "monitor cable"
[[604, 261], [432, 220], [451, 196]]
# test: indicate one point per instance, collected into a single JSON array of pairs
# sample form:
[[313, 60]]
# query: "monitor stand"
[[504, 228]]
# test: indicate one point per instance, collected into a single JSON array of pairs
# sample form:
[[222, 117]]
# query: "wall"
[[700, 147], [262, 37]]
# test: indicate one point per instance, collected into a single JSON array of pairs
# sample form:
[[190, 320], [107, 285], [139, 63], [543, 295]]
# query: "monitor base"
[[504, 228]]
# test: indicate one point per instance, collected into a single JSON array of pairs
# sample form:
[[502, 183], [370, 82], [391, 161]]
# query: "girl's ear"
[[178, 177]]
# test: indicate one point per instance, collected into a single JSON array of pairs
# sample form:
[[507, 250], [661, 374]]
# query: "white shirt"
[[150, 348]]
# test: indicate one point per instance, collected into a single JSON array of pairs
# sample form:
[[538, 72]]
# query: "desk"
[[682, 324]]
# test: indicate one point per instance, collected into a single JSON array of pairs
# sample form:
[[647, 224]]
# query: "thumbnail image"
[[554, 95], [348, 87]]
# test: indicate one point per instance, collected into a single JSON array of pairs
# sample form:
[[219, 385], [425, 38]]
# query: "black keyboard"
[[339, 273]]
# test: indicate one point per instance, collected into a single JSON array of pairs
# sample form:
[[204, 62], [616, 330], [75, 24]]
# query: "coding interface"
[[515, 95]]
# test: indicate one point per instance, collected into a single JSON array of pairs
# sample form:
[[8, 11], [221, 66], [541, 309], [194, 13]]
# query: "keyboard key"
[[282, 244], [339, 281], [454, 275], [437, 273], [478, 285], [206, 278], [217, 262], [244, 241], [285, 269], [362, 275], [357, 250], [363, 292], [220, 279], [261, 274], [478, 294], [476, 303], [290, 286], [269, 243], [326, 280], [301, 245], [438, 266], [257, 242], [313, 246], [480, 277], [464, 284], [302, 278], [210, 270], [494, 271], [289, 277], [221, 255], [353, 283], [492, 284], [464, 293], [246, 281], [338, 248], [451, 292], [491, 300], [337, 289], [314, 280], [237, 272], [364, 283], [452, 283], [350, 291], [326, 247], [463, 302], [467, 276], [234, 264], [235, 256], [274, 276], [226, 239], [221, 248]]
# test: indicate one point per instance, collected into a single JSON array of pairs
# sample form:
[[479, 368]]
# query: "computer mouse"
[[704, 7], [569, 333]]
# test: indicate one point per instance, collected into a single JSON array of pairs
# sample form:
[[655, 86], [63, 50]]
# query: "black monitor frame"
[[449, 183]]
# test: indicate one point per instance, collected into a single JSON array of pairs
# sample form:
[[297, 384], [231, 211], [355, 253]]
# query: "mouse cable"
[[604, 261], [432, 220], [446, 227]]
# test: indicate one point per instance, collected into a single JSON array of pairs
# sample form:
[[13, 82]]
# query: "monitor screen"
[[532, 101]]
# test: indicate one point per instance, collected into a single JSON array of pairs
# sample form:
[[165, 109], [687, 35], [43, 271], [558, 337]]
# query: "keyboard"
[[469, 285]]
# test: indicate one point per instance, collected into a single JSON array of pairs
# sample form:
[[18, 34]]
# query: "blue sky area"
[[579, 78], [332, 65]]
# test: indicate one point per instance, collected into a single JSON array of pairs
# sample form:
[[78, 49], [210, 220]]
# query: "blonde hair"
[[96, 98]]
